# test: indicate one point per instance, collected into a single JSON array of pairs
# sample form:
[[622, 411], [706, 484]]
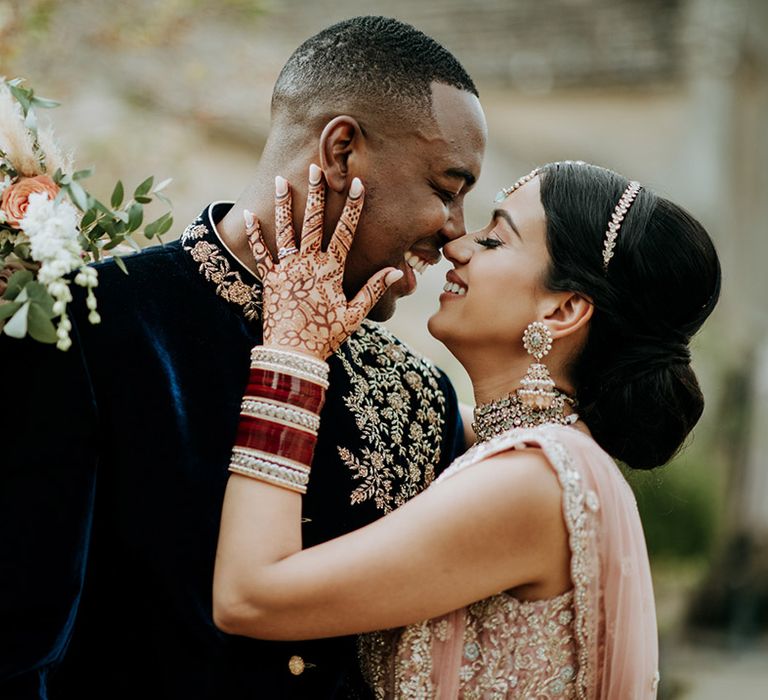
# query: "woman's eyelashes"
[[489, 241]]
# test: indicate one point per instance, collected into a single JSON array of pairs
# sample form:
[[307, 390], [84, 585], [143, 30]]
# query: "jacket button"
[[296, 665]]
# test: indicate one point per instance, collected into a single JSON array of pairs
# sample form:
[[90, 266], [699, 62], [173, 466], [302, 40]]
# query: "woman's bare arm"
[[493, 527]]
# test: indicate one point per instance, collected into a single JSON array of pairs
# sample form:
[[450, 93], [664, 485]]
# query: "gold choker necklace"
[[508, 412]]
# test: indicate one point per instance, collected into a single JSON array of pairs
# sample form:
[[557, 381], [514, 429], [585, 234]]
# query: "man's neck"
[[259, 198]]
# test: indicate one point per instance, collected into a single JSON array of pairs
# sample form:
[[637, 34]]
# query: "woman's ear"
[[341, 143], [572, 313]]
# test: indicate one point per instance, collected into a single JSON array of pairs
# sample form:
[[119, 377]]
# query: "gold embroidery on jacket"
[[399, 410], [216, 268]]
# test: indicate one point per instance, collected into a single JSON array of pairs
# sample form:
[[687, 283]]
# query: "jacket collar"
[[234, 282]]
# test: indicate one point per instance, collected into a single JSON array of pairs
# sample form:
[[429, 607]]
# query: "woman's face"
[[496, 287]]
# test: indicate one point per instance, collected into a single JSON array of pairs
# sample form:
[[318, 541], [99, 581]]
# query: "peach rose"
[[16, 197]]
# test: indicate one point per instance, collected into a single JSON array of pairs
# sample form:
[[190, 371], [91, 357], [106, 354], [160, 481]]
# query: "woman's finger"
[[258, 247], [312, 229], [347, 224], [284, 237], [369, 295]]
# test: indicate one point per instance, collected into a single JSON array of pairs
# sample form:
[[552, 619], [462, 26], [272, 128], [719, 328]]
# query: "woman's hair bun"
[[636, 388]]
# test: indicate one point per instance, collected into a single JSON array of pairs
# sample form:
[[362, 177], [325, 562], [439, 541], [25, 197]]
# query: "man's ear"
[[341, 144], [570, 314]]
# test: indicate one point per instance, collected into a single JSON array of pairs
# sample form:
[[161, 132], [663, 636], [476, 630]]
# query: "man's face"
[[415, 187]]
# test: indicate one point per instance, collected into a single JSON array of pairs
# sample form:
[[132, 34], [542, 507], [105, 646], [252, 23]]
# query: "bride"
[[522, 570]]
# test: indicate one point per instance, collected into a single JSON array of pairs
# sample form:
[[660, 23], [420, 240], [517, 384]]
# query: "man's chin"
[[384, 309]]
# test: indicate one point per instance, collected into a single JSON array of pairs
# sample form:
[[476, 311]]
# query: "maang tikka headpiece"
[[625, 202]]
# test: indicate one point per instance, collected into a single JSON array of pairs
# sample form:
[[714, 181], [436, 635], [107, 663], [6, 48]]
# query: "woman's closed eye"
[[488, 241]]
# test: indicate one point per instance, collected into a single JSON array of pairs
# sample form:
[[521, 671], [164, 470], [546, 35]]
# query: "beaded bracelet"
[[279, 418]]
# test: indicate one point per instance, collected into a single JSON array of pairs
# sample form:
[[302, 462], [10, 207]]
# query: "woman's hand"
[[304, 306]]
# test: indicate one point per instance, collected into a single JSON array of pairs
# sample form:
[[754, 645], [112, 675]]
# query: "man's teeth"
[[454, 289], [416, 262]]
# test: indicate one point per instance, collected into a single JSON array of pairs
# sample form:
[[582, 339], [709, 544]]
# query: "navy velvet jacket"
[[113, 467]]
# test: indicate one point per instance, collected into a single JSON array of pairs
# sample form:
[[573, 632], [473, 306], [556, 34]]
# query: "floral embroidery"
[[215, 267], [511, 648], [394, 396], [400, 422]]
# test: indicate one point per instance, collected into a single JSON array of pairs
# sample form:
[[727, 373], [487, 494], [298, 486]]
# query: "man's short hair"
[[366, 66]]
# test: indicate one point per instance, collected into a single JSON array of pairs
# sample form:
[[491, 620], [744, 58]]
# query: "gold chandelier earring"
[[538, 387], [535, 403]]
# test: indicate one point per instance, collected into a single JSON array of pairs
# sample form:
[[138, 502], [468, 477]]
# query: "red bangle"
[[262, 435], [285, 388]]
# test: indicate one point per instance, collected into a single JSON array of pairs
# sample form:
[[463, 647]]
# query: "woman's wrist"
[[282, 359], [279, 417]]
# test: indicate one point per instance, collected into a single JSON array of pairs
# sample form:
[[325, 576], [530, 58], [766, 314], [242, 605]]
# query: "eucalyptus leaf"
[[162, 185], [88, 218], [79, 195], [142, 199], [82, 174], [112, 244], [40, 326], [40, 296], [165, 226], [162, 198], [108, 226], [135, 216], [23, 251], [159, 226], [17, 326], [119, 262], [16, 284], [102, 208], [44, 102], [144, 187], [121, 215], [117, 195], [8, 308], [22, 97]]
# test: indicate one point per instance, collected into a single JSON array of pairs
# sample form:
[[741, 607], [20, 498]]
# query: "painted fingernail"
[[392, 277], [314, 174], [249, 218], [281, 186], [356, 189]]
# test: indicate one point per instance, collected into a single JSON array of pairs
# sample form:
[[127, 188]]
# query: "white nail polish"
[[281, 186], [249, 218], [356, 189], [314, 174], [392, 277]]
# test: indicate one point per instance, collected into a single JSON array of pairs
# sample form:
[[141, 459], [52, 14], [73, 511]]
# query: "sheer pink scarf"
[[614, 613]]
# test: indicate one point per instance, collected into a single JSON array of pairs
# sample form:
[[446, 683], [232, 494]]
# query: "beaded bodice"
[[509, 649]]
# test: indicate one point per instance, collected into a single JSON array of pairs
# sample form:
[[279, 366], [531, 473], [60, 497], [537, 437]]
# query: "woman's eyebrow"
[[504, 214]]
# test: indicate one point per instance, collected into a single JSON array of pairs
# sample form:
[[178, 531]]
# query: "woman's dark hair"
[[635, 386]]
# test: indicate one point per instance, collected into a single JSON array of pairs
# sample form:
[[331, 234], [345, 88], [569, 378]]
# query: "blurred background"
[[673, 93]]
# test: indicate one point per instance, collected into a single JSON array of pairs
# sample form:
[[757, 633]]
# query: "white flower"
[[52, 230], [4, 184]]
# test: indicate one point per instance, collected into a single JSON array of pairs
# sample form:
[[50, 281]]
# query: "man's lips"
[[420, 260]]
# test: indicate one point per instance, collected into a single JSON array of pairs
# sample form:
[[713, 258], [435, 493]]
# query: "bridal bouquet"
[[50, 226]]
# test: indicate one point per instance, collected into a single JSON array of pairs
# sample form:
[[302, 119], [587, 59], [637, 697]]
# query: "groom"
[[115, 453]]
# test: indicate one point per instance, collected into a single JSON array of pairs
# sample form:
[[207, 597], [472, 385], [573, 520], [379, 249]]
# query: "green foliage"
[[27, 306], [678, 505]]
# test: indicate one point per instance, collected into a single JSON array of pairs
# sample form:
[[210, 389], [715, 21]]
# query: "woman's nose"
[[459, 250]]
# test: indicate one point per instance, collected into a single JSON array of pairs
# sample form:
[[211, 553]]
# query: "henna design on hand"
[[305, 309]]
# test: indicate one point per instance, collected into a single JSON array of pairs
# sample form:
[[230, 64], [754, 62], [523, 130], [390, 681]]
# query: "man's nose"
[[454, 228]]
